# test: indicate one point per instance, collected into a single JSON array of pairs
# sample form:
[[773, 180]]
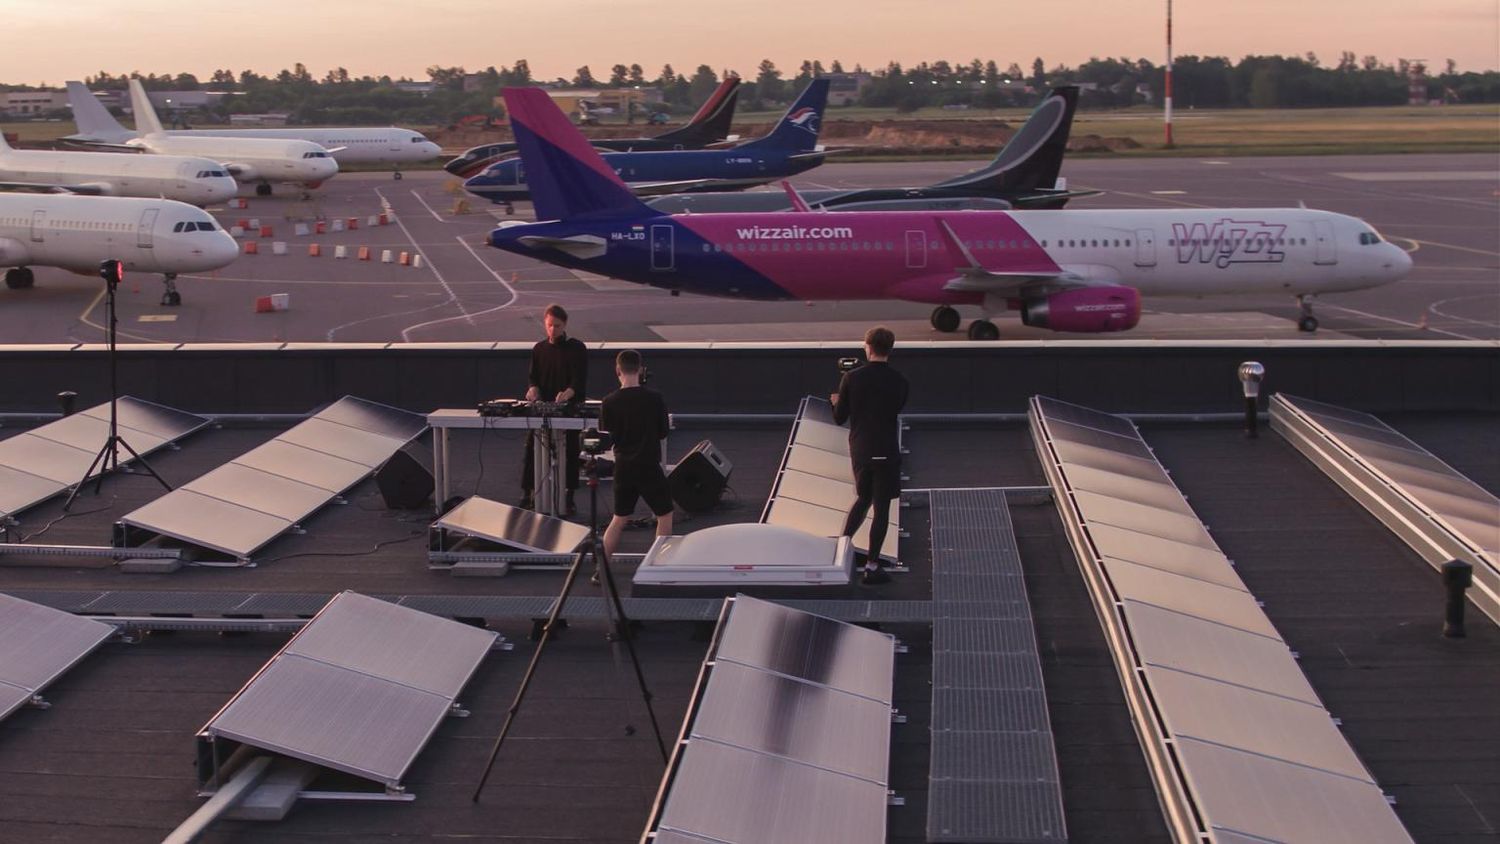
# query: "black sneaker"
[[875, 577]]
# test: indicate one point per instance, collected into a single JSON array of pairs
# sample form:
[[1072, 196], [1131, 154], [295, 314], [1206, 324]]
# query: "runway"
[[1444, 209]]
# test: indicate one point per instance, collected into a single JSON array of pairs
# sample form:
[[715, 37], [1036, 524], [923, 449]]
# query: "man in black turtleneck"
[[870, 399], [559, 372]]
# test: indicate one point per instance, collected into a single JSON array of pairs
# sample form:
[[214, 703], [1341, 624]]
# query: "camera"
[[847, 365]]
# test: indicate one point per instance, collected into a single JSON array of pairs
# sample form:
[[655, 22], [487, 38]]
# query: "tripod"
[[108, 457], [591, 549]]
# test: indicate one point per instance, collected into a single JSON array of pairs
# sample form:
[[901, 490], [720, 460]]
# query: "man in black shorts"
[[870, 399], [636, 418], [559, 372]]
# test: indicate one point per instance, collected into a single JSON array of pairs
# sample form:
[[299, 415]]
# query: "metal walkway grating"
[[994, 768]]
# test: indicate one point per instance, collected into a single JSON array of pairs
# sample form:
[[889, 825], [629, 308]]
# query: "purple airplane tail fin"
[[567, 177]]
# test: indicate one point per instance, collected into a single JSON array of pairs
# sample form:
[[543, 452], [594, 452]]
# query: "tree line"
[[1198, 82]]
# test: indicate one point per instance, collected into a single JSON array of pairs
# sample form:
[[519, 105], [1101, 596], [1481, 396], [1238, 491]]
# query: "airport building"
[[29, 103]]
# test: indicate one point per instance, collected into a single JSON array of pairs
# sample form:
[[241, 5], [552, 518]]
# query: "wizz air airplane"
[[1080, 271], [196, 181], [347, 144], [257, 161], [1025, 174], [791, 148], [709, 127], [75, 233]]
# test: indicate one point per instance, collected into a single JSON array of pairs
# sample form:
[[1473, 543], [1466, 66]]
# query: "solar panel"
[[822, 435], [38, 644], [516, 527], [1231, 715], [809, 647], [51, 458], [360, 689], [239, 507], [1438, 512], [826, 464], [826, 521], [790, 734]]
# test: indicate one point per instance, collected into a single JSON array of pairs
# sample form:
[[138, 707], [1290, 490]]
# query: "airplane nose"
[[1400, 263]]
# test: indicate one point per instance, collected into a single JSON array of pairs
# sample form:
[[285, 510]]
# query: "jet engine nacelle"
[[1085, 310], [13, 253]]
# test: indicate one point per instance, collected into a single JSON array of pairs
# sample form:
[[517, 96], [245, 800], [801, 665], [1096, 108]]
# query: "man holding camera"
[[559, 372], [636, 419], [870, 399]]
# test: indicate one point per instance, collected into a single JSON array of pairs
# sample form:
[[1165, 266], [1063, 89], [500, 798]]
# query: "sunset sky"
[[48, 41]]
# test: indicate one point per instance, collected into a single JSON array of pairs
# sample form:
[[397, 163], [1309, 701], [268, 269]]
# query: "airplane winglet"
[[798, 203]]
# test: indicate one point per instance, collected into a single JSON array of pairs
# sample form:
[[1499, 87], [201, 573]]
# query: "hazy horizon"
[[366, 40]]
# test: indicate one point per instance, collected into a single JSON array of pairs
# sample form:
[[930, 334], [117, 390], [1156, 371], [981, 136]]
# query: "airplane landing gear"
[[170, 297], [945, 319], [983, 329], [397, 175], [510, 210], [19, 278], [263, 189], [1307, 323]]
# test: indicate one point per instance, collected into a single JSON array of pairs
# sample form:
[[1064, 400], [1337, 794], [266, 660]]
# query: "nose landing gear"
[[1307, 323], [170, 297]]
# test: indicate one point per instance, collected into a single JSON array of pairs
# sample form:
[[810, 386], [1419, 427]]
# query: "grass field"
[[1389, 129]]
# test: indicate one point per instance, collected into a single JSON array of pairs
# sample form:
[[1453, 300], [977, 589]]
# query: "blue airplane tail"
[[567, 177], [798, 129]]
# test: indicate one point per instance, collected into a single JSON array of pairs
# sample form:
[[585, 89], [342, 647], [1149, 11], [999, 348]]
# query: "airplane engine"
[[1085, 310], [13, 253]]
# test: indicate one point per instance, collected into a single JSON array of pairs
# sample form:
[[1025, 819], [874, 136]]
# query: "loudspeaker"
[[405, 481], [699, 478]]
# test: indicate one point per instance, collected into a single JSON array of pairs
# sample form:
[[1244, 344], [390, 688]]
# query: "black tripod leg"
[[97, 461], [615, 608], [142, 462], [536, 656]]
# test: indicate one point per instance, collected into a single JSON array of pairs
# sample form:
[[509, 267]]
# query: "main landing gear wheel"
[[397, 176], [170, 297], [262, 189], [945, 319], [1308, 324], [19, 278], [983, 329]]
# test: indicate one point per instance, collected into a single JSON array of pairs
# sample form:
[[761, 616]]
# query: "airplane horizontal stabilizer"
[[579, 246]]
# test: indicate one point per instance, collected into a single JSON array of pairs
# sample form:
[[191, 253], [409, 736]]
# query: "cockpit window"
[[416, 140], [195, 226], [314, 155], [1369, 238]]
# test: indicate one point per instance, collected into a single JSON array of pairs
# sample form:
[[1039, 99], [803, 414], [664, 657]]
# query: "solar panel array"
[[993, 776], [790, 738], [515, 527], [239, 507], [47, 460], [38, 644], [1240, 746], [815, 487], [1438, 511], [360, 689]]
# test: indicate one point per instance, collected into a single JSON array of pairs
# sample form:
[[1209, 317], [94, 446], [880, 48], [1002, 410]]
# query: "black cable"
[[48, 526], [484, 428], [376, 547]]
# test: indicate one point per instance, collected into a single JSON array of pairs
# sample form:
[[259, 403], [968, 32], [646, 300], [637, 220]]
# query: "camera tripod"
[[108, 457], [591, 549]]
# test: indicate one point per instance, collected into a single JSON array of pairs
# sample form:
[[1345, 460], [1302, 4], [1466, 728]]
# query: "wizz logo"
[[1229, 242], [805, 118]]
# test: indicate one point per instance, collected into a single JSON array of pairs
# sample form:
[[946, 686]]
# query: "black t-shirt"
[[557, 366], [870, 398], [637, 420]]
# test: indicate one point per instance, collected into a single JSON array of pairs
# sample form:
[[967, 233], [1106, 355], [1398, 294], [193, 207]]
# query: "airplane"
[[709, 126], [258, 161], [790, 148], [196, 181], [1074, 271], [347, 144], [75, 233], [1024, 174]]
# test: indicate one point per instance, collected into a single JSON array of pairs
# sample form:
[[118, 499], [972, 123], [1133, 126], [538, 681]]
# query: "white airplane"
[[348, 144], [258, 161], [75, 233], [196, 181]]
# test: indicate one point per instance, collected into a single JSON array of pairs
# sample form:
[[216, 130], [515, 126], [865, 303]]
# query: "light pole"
[[1167, 93]]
